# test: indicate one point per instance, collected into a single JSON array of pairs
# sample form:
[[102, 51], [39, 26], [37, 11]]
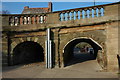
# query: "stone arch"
[[17, 41], [82, 38], [23, 39], [97, 47]]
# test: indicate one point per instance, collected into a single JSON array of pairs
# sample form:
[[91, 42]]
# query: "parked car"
[[91, 50]]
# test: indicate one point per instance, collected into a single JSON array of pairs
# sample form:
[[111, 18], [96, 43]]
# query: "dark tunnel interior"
[[27, 52]]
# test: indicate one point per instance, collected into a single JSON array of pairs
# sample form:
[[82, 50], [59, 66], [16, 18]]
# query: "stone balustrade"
[[81, 13], [91, 14], [15, 20], [65, 15]]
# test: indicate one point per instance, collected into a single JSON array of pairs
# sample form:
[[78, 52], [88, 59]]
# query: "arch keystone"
[[28, 38], [21, 39], [36, 39]]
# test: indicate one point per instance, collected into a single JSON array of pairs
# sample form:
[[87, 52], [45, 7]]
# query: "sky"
[[17, 7]]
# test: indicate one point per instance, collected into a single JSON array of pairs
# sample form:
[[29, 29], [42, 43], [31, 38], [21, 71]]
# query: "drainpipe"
[[50, 54], [46, 54], [48, 50]]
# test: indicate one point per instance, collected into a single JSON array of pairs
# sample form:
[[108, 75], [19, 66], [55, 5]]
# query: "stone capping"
[[21, 14]]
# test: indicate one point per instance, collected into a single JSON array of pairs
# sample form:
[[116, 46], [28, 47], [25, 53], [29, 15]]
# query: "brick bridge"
[[96, 25]]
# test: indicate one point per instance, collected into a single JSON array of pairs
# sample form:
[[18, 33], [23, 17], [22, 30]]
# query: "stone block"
[[28, 38], [112, 68]]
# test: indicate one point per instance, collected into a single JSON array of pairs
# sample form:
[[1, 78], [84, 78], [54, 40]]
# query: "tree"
[[82, 45], [4, 12]]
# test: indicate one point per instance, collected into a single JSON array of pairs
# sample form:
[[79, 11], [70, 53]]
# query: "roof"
[[35, 10], [28, 10]]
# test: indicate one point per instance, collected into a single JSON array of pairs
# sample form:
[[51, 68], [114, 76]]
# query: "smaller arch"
[[68, 48]]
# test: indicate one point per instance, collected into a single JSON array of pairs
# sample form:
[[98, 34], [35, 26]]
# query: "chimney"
[[26, 7], [50, 6]]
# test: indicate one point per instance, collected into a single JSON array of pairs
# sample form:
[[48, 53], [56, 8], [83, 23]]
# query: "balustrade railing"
[[81, 13], [15, 20], [57, 17]]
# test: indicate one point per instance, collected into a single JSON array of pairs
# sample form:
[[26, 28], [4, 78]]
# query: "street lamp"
[[94, 2]]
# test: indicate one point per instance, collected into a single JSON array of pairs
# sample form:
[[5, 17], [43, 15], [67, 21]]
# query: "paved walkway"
[[86, 69]]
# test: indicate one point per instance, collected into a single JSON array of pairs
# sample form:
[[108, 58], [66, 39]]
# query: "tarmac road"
[[75, 69]]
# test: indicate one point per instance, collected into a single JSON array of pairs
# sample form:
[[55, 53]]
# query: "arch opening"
[[80, 50], [28, 52]]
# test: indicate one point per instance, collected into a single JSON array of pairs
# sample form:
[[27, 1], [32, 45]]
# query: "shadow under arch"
[[27, 52], [68, 48]]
